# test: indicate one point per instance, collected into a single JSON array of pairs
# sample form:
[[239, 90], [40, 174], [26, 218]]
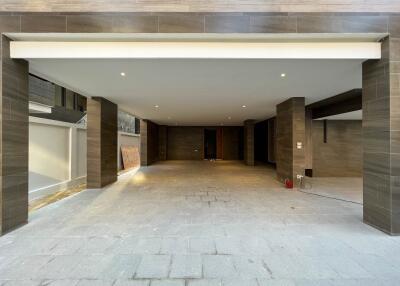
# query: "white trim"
[[48, 190], [195, 50], [128, 134], [35, 107], [45, 121]]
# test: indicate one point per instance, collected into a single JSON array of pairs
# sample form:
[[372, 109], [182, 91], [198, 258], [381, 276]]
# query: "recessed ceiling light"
[[123, 74], [156, 106], [283, 75], [229, 117], [244, 106]]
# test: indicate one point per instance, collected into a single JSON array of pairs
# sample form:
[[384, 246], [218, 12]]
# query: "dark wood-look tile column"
[[249, 142], [102, 132], [149, 143], [162, 142], [381, 138], [290, 131], [14, 136]]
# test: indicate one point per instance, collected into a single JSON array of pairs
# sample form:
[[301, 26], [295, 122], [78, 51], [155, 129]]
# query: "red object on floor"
[[289, 184]]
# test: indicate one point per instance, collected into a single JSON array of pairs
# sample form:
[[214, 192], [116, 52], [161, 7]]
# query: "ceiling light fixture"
[[283, 75], [229, 118], [244, 106], [156, 106], [123, 74]]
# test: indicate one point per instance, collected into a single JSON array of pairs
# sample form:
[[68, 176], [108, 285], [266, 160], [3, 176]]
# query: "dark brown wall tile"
[[273, 24], [41, 24], [342, 154], [10, 24], [135, 24], [181, 24], [227, 24], [342, 24], [89, 24], [102, 132]]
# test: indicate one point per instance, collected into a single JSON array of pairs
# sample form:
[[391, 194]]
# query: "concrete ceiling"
[[202, 91]]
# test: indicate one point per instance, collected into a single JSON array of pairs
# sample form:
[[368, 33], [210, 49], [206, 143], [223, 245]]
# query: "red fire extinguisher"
[[288, 184]]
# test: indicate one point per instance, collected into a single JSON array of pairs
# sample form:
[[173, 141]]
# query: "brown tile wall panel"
[[342, 24], [135, 24], [35, 24], [177, 23], [201, 6], [341, 155], [10, 24], [149, 143], [231, 142], [102, 142], [381, 125], [89, 24], [162, 142], [272, 140], [308, 143], [290, 129], [227, 24], [185, 143], [273, 24], [249, 142], [13, 139]]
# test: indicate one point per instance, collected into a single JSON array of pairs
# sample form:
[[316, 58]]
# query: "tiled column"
[[14, 142], [290, 132], [162, 142], [249, 142], [102, 140], [381, 138], [148, 142]]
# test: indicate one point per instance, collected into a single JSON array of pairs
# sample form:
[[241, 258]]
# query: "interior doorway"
[[210, 144]]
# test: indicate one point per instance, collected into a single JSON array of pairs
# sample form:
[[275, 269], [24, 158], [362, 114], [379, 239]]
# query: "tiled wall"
[[14, 140], [196, 23], [204, 5], [341, 154], [381, 137], [290, 129], [102, 132]]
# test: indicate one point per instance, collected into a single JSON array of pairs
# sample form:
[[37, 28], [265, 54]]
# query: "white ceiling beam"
[[194, 50]]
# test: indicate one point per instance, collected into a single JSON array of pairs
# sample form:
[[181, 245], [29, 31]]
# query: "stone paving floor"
[[197, 224]]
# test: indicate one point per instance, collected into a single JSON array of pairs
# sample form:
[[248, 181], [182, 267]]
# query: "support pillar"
[[14, 139], [381, 138], [290, 132], [102, 141], [162, 142], [249, 142], [149, 152]]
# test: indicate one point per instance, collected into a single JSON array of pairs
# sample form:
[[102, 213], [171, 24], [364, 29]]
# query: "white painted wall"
[[57, 156], [48, 155]]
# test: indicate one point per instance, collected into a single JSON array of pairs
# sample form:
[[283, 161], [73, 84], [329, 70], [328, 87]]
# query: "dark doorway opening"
[[210, 144]]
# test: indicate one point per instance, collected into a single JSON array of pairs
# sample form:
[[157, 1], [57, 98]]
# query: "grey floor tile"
[[186, 266], [218, 266], [174, 282], [132, 282], [205, 282], [154, 266]]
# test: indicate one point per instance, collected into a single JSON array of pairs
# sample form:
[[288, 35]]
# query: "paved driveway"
[[199, 223]]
